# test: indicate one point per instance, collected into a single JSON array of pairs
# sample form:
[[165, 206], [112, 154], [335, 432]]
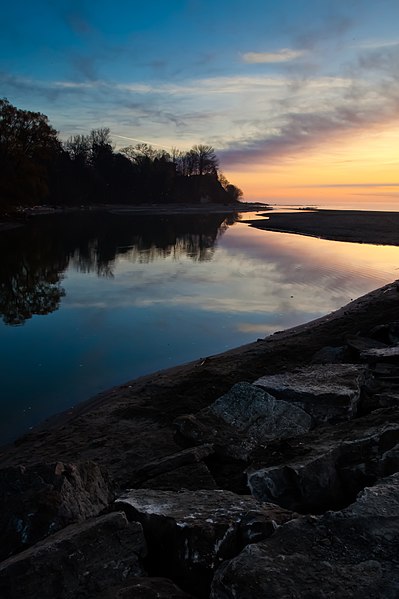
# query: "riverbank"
[[186, 478], [129, 425], [357, 226]]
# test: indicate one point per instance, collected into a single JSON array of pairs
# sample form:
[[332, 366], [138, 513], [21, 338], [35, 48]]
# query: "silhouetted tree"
[[204, 160], [34, 166], [27, 144]]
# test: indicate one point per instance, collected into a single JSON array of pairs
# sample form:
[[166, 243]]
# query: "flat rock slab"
[[37, 501], [169, 472], [78, 561], [359, 344], [329, 392], [244, 417], [388, 354], [351, 554], [326, 468], [190, 533]]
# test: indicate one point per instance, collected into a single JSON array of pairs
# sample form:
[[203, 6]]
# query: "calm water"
[[90, 301]]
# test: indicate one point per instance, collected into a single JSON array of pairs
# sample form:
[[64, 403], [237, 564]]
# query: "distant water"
[[90, 301]]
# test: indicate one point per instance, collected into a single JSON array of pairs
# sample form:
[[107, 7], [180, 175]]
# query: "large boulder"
[[79, 561], [326, 468], [241, 419], [190, 533], [351, 554], [329, 392], [36, 501]]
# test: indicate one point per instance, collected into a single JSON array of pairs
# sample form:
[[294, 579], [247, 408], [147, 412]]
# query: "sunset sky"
[[300, 98]]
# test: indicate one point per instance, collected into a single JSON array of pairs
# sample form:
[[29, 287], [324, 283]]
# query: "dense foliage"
[[37, 168]]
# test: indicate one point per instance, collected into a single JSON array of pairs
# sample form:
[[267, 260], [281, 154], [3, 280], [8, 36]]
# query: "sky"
[[300, 98]]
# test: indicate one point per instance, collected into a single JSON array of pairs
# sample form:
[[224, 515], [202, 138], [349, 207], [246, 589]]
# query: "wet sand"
[[357, 226]]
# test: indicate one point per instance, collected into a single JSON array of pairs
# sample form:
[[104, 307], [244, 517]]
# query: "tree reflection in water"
[[36, 256]]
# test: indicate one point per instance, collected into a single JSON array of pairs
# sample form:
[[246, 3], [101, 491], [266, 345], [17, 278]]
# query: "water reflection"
[[142, 294], [38, 254]]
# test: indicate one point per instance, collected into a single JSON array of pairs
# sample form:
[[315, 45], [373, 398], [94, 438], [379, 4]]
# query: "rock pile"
[[284, 487]]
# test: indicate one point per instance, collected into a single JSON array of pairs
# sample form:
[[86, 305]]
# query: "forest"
[[37, 168]]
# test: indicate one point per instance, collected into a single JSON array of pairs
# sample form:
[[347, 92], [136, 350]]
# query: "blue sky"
[[262, 81]]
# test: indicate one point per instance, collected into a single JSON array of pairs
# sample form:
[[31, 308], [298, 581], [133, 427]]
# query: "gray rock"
[[326, 468], [39, 500], [79, 561], [259, 415], [388, 354], [351, 554], [329, 393], [243, 418], [190, 533], [329, 355]]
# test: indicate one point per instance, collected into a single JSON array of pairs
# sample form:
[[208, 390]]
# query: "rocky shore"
[[271, 470]]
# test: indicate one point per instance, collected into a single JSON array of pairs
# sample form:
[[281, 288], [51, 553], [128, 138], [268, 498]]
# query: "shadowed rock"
[[326, 468], [146, 588], [39, 500], [78, 561], [192, 477], [170, 471], [244, 417], [190, 533], [351, 554], [329, 393]]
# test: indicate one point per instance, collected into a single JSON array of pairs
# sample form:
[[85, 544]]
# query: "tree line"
[[36, 167]]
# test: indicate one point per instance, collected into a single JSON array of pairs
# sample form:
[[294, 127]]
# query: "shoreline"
[[355, 226], [125, 209], [128, 425]]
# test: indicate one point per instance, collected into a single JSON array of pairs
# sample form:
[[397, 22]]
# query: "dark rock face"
[[39, 500], [326, 468], [190, 533], [329, 393], [146, 588], [184, 469], [350, 554], [79, 561], [243, 418], [330, 355], [195, 476]]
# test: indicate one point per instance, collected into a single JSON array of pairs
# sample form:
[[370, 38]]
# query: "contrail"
[[142, 141]]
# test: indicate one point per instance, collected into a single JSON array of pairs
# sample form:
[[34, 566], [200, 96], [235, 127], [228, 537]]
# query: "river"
[[88, 301]]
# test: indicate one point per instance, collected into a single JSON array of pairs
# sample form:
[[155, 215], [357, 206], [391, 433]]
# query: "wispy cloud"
[[284, 55], [348, 185], [304, 120]]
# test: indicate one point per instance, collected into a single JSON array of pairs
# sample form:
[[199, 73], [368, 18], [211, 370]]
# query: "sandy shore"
[[341, 225]]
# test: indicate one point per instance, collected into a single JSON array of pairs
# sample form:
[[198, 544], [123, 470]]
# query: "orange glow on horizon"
[[365, 165]]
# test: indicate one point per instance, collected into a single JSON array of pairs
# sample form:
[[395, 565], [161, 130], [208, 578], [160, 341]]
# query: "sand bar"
[[340, 225]]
